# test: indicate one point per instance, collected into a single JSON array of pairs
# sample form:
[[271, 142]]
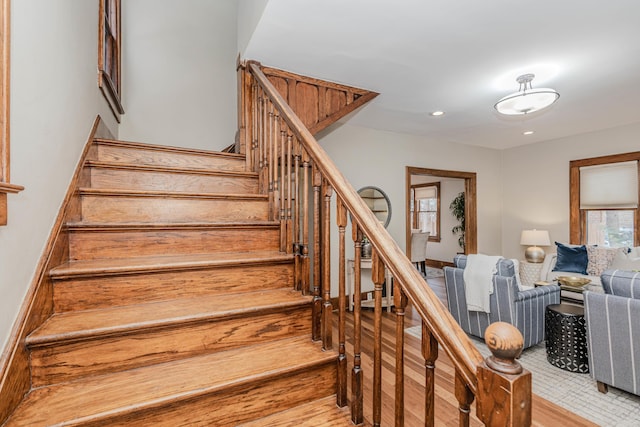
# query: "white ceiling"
[[461, 56]]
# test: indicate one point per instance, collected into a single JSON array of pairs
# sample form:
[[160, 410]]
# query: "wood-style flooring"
[[545, 413]]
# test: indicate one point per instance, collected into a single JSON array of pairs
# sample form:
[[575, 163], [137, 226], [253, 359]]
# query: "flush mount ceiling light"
[[437, 113], [526, 100]]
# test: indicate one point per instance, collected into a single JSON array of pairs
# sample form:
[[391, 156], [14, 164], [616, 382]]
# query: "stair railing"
[[300, 179]]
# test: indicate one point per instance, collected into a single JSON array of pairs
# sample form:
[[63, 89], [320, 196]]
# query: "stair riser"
[[141, 156], [99, 355], [118, 209], [106, 291], [168, 181], [89, 245], [236, 405]]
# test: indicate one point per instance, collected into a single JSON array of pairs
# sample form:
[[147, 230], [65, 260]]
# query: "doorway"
[[444, 185]]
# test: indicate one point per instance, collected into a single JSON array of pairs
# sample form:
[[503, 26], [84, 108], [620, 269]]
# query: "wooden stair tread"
[[168, 194], [171, 169], [113, 266], [95, 398], [319, 413], [86, 226], [168, 148], [76, 325]]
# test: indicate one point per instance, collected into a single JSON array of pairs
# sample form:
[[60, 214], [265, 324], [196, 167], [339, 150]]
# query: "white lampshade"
[[535, 238]]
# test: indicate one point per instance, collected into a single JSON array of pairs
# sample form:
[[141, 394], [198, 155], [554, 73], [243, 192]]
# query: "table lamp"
[[534, 238]]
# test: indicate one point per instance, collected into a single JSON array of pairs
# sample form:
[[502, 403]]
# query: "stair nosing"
[[169, 169], [250, 258], [299, 365], [168, 194], [114, 226], [168, 148], [47, 340]]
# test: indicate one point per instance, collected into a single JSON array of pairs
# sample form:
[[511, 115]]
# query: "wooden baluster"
[[327, 307], [289, 197], [430, 354], [504, 387], [282, 204], [378, 276], [465, 398], [357, 384], [254, 128], [245, 108], [317, 300], [270, 160], [297, 229], [342, 306], [400, 302], [306, 271], [276, 133], [264, 176]]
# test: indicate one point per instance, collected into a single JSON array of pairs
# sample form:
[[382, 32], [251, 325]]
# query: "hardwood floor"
[[545, 413]]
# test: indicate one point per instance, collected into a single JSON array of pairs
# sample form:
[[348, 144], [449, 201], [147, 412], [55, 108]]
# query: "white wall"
[[378, 158], [536, 182], [249, 14], [54, 101], [178, 74]]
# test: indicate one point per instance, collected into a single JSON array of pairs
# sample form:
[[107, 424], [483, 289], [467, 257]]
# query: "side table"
[[566, 337], [529, 272]]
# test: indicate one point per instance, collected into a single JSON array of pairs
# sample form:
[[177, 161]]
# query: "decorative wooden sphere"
[[505, 342]]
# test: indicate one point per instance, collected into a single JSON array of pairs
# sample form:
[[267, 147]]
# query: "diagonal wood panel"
[[318, 103]]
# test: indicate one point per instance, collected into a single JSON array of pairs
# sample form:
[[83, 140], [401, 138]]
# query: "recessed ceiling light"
[[437, 113], [527, 132]]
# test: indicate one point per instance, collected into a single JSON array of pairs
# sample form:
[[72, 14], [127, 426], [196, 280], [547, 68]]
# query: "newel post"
[[504, 387]]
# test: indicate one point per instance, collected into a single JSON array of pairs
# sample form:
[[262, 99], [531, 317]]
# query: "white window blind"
[[426, 192], [609, 186]]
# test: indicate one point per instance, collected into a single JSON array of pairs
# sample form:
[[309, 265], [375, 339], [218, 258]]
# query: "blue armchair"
[[523, 309], [613, 331]]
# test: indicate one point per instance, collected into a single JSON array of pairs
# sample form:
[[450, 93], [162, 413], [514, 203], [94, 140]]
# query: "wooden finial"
[[505, 342]]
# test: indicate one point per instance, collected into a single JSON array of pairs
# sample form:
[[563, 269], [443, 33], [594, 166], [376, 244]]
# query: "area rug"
[[575, 392], [434, 272]]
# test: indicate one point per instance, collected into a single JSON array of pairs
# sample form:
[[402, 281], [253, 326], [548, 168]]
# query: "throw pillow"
[[625, 261], [600, 259], [571, 259]]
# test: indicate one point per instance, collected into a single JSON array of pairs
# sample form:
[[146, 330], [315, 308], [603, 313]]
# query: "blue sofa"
[[613, 331], [523, 309]]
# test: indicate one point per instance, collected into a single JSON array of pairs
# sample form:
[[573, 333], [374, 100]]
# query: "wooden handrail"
[[448, 333]]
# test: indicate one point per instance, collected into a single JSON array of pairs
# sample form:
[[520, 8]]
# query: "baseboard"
[[37, 305], [434, 263]]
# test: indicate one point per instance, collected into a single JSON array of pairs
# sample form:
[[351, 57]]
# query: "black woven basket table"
[[566, 337]]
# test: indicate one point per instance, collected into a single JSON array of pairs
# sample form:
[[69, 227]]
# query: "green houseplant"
[[457, 210]]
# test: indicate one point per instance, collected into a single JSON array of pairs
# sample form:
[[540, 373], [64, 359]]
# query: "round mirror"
[[378, 202]]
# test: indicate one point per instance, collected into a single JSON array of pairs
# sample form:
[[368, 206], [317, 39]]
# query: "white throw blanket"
[[478, 281]]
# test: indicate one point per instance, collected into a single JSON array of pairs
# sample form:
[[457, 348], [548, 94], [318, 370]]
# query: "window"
[[426, 214], [604, 201], [5, 186], [109, 54]]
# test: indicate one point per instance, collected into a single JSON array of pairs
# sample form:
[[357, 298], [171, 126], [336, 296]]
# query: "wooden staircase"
[[176, 306]]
